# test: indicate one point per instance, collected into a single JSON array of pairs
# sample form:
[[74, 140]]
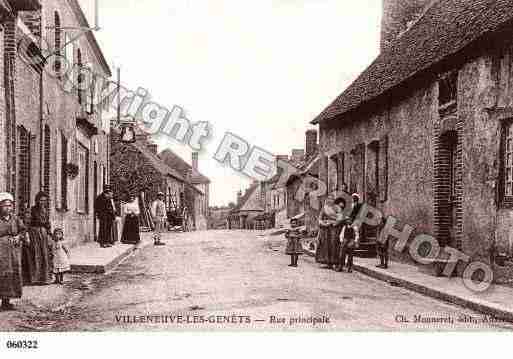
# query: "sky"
[[261, 69]]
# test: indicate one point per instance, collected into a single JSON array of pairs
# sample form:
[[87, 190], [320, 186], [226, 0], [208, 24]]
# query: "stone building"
[[248, 207], [197, 179], [54, 138], [424, 133], [298, 189], [279, 203]]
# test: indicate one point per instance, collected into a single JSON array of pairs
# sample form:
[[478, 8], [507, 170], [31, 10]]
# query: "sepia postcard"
[[255, 166]]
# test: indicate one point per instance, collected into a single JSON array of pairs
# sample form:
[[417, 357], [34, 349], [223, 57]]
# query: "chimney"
[[239, 197], [311, 142], [396, 16], [153, 147], [195, 161]]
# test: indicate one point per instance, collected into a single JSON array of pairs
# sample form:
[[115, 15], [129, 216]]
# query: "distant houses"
[[272, 203], [247, 208], [199, 182]]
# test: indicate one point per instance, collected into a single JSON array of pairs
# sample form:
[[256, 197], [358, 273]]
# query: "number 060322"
[[22, 344]]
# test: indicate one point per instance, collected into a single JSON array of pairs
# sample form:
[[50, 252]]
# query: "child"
[[60, 256], [349, 239], [159, 214], [294, 247], [382, 249]]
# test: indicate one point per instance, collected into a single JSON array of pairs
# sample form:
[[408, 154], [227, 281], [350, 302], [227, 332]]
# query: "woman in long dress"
[[327, 218], [12, 230], [336, 229], [36, 254], [131, 224]]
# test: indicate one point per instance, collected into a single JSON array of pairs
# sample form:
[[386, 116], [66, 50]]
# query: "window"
[[80, 78], [58, 170], [68, 49], [383, 169], [64, 174], [448, 89], [24, 159], [57, 41], [46, 159], [341, 183], [83, 180], [507, 176], [332, 173], [372, 186], [89, 97]]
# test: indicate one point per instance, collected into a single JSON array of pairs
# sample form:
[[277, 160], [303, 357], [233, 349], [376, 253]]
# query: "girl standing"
[[12, 230], [60, 256], [349, 238], [294, 247]]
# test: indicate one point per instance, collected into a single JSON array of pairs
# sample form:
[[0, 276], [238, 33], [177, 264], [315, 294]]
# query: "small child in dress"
[[294, 247], [349, 241], [60, 256]]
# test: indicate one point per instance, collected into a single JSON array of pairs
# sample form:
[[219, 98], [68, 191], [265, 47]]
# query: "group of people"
[[105, 210], [339, 235], [29, 250]]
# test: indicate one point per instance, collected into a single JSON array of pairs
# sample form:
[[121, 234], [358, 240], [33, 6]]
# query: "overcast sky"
[[262, 69]]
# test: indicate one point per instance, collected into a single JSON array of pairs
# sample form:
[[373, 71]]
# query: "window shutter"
[[383, 169], [323, 175], [46, 159], [341, 171], [64, 178], [58, 171]]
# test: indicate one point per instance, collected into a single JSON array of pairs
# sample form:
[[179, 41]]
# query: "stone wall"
[[413, 123]]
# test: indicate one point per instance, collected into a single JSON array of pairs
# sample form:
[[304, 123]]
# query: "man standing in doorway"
[[158, 212], [105, 210]]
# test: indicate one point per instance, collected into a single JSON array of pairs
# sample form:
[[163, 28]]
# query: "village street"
[[243, 278]]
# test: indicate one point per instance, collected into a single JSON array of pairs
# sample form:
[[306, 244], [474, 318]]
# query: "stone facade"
[[435, 152], [248, 207], [201, 183]]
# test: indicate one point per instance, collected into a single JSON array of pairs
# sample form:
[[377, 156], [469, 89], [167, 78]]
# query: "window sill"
[[506, 203]]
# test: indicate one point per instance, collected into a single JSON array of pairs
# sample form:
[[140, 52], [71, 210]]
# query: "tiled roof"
[[175, 161], [445, 29]]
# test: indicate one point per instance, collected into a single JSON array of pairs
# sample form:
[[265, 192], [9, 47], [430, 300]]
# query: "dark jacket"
[[39, 218], [354, 212], [103, 208]]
